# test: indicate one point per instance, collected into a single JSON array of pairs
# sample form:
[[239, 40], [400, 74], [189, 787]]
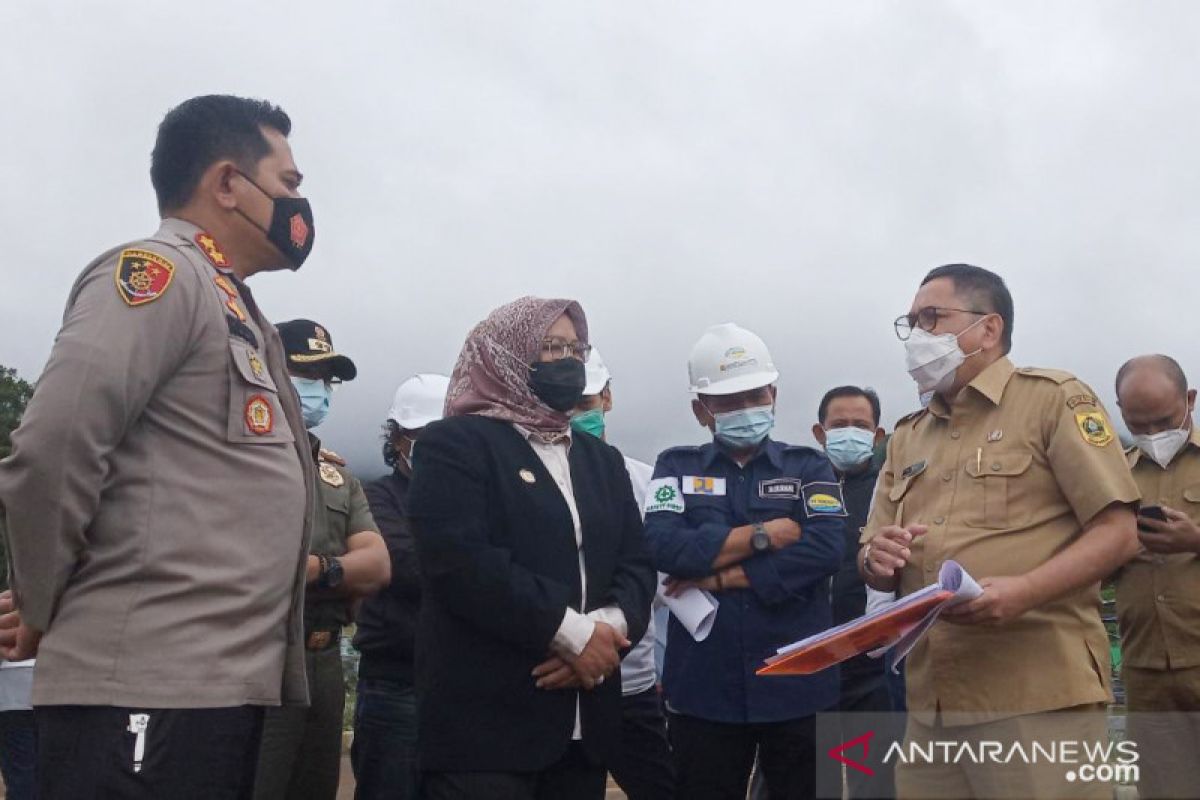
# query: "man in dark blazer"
[[535, 579]]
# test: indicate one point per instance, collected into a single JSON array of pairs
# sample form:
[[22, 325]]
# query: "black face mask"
[[291, 230], [559, 384]]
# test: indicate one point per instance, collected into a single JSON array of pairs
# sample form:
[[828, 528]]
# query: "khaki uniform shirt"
[[1005, 478], [341, 511], [158, 495], [1158, 596]]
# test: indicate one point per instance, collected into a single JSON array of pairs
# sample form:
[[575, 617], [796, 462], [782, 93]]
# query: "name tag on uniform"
[[779, 489], [694, 484], [663, 495], [823, 500]]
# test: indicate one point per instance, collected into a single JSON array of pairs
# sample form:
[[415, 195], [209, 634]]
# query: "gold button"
[[955, 434]]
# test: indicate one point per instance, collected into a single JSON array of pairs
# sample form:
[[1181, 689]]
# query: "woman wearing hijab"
[[535, 580]]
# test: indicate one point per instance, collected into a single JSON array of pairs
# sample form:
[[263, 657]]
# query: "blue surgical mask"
[[849, 447], [315, 395], [744, 428]]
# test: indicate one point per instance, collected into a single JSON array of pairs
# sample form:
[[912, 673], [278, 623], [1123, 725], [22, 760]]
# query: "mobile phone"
[[1152, 512]]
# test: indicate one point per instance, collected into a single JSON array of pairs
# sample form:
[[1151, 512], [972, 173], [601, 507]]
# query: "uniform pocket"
[[255, 413], [995, 479]]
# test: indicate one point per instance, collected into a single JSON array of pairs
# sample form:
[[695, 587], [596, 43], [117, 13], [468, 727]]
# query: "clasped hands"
[[600, 658]]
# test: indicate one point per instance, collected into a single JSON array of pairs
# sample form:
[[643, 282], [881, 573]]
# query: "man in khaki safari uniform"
[[158, 497], [302, 747], [1158, 593], [1015, 474]]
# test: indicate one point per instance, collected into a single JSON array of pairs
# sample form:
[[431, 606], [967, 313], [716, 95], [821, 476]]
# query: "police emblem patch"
[[663, 495], [142, 276], [823, 499], [259, 417], [1093, 427], [299, 230], [330, 475]]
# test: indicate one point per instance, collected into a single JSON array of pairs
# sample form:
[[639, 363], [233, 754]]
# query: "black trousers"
[[573, 777], [713, 760], [644, 768], [89, 753]]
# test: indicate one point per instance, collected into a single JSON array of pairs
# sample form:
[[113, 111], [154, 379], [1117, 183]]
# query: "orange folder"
[[863, 635]]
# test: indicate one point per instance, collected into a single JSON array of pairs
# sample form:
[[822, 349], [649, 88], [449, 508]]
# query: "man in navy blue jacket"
[[759, 524]]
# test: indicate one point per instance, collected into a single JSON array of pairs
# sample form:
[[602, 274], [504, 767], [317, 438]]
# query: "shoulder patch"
[[1081, 400], [1057, 375], [1093, 427], [663, 495], [142, 276], [823, 500]]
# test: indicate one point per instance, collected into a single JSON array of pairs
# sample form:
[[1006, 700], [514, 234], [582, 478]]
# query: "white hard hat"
[[597, 374], [729, 359], [419, 401]]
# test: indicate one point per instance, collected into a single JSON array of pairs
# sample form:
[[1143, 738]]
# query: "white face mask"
[[1161, 448], [933, 359]]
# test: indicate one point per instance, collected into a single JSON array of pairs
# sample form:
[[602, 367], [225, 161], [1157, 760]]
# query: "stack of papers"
[[897, 626]]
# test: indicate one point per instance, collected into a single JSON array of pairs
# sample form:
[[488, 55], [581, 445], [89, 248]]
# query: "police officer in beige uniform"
[[1158, 593], [302, 747], [1015, 474], [158, 495]]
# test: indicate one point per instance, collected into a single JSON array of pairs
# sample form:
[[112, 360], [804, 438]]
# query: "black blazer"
[[499, 567]]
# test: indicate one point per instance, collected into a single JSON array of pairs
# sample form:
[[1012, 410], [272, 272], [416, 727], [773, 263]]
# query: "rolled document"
[[695, 609]]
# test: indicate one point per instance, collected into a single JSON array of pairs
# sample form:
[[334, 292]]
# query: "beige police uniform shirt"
[[158, 497], [1005, 478], [1158, 596]]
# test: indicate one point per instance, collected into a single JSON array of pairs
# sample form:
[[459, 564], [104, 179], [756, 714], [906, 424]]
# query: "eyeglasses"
[[927, 319], [315, 375], [561, 348]]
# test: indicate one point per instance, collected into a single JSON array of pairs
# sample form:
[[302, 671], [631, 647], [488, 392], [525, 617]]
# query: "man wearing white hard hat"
[[383, 754], [643, 767], [759, 524]]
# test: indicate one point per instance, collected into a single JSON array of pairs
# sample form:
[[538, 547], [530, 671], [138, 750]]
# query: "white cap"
[[419, 401], [729, 359], [597, 374]]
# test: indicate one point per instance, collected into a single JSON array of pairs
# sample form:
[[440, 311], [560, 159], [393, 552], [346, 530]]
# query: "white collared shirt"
[[576, 628]]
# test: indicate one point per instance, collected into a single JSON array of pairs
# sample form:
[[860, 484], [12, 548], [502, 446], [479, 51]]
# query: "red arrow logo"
[[865, 740]]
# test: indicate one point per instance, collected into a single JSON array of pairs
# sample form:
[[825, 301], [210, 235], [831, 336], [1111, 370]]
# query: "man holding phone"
[[1158, 593]]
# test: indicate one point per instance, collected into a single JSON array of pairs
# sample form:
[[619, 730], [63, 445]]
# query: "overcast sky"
[[795, 167]]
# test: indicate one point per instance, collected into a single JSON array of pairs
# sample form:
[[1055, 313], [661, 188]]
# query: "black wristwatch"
[[331, 572], [760, 540]]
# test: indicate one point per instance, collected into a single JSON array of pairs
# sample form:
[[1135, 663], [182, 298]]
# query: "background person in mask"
[[302, 747], [642, 766], [848, 428], [384, 752], [1158, 593], [758, 523], [534, 574], [158, 496], [1015, 474]]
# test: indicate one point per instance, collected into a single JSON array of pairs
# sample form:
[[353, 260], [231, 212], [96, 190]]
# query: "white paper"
[[951, 577], [695, 609]]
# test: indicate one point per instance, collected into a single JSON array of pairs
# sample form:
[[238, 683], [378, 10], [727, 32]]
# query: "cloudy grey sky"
[[792, 166]]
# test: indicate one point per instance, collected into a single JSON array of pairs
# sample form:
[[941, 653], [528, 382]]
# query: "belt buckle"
[[318, 640]]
